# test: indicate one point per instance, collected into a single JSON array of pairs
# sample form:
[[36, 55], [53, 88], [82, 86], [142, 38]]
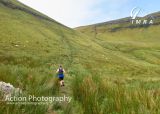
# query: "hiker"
[[61, 72]]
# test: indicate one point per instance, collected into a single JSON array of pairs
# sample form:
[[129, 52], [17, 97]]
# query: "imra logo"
[[140, 21]]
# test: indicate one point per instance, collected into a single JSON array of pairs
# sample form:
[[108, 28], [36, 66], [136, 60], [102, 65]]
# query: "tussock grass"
[[105, 96]]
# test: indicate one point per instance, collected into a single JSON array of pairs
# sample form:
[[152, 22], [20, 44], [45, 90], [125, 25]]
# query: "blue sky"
[[75, 13]]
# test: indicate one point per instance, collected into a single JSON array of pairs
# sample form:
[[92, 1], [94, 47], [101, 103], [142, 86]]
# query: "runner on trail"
[[61, 72]]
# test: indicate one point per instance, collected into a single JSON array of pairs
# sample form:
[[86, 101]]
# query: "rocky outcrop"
[[6, 89]]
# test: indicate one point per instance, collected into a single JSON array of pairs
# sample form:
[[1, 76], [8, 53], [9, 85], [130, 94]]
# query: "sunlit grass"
[[115, 73]]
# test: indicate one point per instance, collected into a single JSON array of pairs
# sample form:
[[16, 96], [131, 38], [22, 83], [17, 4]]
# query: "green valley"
[[111, 67]]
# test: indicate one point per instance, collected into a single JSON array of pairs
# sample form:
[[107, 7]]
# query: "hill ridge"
[[124, 23], [24, 8]]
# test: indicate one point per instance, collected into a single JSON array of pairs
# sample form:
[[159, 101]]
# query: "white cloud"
[[76, 12]]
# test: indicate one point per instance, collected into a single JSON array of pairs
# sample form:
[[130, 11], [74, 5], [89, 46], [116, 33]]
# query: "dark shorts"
[[61, 77]]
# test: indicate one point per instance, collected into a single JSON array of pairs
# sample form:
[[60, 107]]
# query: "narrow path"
[[65, 90]]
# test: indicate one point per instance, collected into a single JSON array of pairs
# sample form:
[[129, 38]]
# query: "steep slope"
[[31, 48], [35, 34]]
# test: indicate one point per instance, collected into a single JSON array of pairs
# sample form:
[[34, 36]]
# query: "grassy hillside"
[[137, 45], [133, 52], [107, 69]]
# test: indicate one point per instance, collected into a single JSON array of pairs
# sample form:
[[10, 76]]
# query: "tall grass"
[[106, 96], [36, 81]]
